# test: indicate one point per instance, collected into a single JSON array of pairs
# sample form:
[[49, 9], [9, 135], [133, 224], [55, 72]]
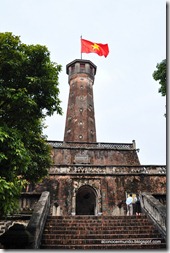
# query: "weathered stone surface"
[[99, 156], [156, 210], [36, 224], [109, 189]]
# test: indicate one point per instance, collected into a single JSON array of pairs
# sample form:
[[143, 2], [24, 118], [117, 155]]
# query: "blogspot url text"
[[131, 241]]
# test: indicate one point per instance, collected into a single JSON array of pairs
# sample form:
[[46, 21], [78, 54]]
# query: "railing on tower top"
[[95, 145]]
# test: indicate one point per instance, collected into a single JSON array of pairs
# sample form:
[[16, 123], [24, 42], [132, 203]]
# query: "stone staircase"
[[101, 232]]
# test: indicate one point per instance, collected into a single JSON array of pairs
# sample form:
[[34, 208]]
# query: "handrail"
[[155, 210], [38, 219]]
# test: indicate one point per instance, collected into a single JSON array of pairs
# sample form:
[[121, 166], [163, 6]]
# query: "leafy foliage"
[[9, 192], [28, 92], [160, 74]]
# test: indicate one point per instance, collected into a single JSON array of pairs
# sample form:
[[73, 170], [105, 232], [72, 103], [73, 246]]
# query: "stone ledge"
[[107, 170]]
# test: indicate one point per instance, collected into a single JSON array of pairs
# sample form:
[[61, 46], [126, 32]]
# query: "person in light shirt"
[[129, 202]]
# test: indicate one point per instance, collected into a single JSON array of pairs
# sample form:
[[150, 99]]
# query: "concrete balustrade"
[[155, 209], [37, 222]]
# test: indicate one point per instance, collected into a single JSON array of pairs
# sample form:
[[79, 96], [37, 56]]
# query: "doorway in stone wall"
[[86, 201]]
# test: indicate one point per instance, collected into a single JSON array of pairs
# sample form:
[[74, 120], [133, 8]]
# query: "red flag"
[[91, 47]]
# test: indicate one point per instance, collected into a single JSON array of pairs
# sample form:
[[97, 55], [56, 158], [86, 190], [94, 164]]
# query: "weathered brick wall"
[[80, 121], [94, 156], [109, 171], [111, 189]]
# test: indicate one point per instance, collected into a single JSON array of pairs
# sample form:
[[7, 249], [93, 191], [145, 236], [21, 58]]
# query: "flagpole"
[[81, 52]]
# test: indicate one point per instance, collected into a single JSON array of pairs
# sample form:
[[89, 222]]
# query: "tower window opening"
[[72, 69], [91, 70], [82, 67]]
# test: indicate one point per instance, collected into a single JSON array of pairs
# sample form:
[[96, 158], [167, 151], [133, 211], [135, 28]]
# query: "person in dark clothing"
[[137, 205]]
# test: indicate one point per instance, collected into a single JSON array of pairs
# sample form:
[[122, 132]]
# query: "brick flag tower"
[[90, 177], [88, 183], [80, 121]]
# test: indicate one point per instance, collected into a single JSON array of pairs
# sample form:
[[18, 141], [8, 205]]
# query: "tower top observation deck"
[[79, 66]]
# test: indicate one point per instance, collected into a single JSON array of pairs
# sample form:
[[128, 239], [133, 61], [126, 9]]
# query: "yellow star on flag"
[[95, 46]]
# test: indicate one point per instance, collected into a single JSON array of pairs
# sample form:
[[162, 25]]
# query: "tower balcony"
[[79, 66]]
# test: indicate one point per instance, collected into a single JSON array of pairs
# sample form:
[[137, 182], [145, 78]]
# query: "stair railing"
[[37, 222], [155, 210]]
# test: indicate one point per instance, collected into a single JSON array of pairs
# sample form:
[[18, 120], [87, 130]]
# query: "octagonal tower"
[[80, 119]]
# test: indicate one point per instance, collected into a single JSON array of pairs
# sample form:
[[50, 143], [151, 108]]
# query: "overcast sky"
[[126, 99]]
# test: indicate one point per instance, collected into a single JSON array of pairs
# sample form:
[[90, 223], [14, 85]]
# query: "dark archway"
[[85, 201]]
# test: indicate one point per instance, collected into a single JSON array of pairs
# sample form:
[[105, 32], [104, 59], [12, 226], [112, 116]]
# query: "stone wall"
[[101, 172], [93, 156], [110, 189]]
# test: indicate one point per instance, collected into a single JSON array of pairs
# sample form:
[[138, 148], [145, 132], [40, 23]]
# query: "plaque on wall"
[[81, 158]]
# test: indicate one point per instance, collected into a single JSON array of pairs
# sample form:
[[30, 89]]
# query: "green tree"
[[160, 74], [28, 92]]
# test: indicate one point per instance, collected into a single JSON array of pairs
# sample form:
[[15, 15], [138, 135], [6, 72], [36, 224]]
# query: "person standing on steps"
[[137, 205], [120, 205], [129, 202]]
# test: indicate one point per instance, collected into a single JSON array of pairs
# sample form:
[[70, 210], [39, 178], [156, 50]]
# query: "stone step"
[[87, 232], [98, 216], [105, 241], [97, 225], [99, 222], [105, 246], [83, 218], [101, 232], [99, 236], [56, 221], [110, 227]]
